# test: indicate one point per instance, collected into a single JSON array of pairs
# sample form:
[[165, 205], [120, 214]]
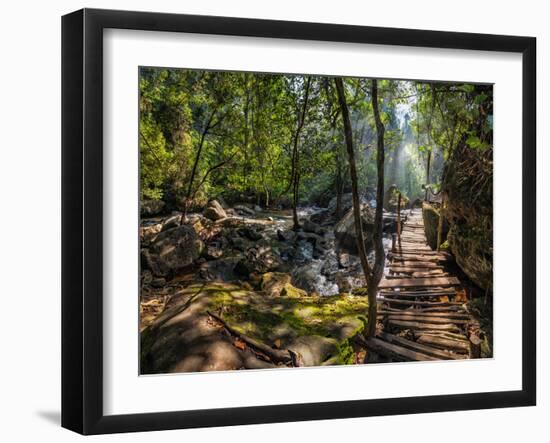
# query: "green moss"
[[292, 291], [266, 318]]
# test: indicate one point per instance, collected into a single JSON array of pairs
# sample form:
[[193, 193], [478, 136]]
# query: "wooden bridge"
[[421, 305]]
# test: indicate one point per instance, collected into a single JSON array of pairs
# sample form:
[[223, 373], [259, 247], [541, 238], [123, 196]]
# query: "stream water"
[[324, 273]]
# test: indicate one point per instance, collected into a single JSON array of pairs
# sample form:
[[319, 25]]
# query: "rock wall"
[[468, 183]]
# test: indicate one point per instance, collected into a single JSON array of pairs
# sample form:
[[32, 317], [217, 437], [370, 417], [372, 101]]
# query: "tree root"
[[285, 356]]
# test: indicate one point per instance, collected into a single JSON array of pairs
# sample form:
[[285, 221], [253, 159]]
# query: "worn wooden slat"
[[418, 347], [415, 296], [450, 309], [402, 324], [416, 258], [416, 268], [418, 292], [397, 301], [395, 351], [419, 282], [417, 252], [423, 319], [444, 343], [423, 275], [416, 264], [419, 312]]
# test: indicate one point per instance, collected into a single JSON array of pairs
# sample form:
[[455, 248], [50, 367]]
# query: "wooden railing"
[[398, 230]]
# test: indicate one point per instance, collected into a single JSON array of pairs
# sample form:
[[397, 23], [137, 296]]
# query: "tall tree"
[[378, 225], [296, 156], [372, 274]]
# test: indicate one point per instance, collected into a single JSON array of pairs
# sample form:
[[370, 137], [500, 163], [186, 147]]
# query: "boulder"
[[277, 284], [313, 349], [243, 210], [214, 211], [285, 235], [272, 283], [320, 217], [244, 268], [221, 269], [310, 237], [213, 251], [250, 233], [147, 234], [472, 247], [347, 203], [309, 226], [150, 208], [172, 250], [344, 230], [171, 222], [184, 337], [307, 278]]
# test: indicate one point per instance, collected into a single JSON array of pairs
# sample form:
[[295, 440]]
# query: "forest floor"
[[256, 294]]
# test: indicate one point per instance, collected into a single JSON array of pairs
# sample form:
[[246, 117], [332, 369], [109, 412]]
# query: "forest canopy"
[[254, 137]]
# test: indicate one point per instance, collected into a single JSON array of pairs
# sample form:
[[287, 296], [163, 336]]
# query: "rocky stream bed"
[[236, 288]]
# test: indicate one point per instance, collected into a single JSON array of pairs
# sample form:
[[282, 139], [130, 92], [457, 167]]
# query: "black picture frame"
[[82, 219]]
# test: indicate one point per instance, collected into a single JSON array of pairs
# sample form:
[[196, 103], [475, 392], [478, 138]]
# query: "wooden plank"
[[419, 312], [397, 301], [434, 273], [415, 258], [418, 274], [428, 291], [415, 268], [413, 295], [396, 352], [419, 282], [444, 343], [427, 319], [416, 265], [455, 308], [422, 275], [428, 253], [402, 324], [418, 347]]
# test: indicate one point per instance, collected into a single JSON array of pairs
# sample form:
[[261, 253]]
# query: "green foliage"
[[205, 134]]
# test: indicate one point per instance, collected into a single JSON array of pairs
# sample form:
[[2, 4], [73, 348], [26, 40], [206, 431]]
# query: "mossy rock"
[[185, 338]]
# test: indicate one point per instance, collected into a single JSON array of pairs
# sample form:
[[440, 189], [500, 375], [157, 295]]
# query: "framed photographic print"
[[269, 221]]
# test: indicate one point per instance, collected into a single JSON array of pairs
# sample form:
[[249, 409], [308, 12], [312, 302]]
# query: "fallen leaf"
[[239, 344]]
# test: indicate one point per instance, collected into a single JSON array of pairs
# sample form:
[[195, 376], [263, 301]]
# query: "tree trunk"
[[339, 183], [354, 188], [428, 174], [378, 268], [296, 158], [189, 193]]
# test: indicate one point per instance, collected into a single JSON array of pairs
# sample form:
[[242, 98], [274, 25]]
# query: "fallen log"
[[285, 356]]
